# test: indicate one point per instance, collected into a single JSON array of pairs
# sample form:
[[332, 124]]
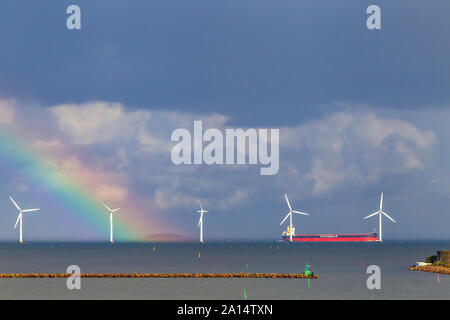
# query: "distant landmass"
[[167, 237]]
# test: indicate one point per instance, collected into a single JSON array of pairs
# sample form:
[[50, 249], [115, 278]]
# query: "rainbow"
[[62, 188]]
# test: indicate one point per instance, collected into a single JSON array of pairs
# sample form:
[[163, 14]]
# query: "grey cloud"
[[354, 148]]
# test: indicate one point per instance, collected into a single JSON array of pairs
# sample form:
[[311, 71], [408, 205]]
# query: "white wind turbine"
[[19, 217], [380, 213], [290, 217], [111, 211], [200, 222]]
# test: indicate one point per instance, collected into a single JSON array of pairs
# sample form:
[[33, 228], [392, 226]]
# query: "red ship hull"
[[370, 237]]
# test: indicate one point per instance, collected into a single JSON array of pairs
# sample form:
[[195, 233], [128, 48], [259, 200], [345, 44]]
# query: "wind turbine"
[[290, 217], [19, 217], [111, 211], [200, 222], [380, 213]]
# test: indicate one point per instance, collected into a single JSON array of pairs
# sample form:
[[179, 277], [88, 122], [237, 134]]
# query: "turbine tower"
[[111, 238], [200, 222], [19, 218], [380, 213], [290, 217]]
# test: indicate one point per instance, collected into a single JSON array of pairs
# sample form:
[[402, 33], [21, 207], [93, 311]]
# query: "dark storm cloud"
[[282, 59]]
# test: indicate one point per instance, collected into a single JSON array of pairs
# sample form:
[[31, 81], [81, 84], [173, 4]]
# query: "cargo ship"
[[365, 237], [289, 234]]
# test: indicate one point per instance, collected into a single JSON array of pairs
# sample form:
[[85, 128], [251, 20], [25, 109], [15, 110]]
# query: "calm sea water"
[[341, 269]]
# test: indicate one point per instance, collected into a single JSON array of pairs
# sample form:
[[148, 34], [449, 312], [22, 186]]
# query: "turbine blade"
[[31, 210], [285, 218], [17, 221], [18, 208], [371, 215], [287, 200], [115, 210], [200, 221], [388, 216], [381, 202], [106, 206], [299, 212], [200, 203]]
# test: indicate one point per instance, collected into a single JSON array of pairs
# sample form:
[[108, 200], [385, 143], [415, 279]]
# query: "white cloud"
[[111, 193], [317, 157], [341, 149], [353, 148], [99, 122], [7, 111], [376, 130]]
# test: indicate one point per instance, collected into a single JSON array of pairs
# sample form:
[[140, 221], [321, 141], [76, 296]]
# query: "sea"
[[342, 269]]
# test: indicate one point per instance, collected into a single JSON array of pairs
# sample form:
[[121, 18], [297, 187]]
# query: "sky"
[[87, 115]]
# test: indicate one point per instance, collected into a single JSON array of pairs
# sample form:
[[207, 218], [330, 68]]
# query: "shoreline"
[[160, 275], [433, 269]]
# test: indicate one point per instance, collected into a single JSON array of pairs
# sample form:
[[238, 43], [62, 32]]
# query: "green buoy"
[[307, 271]]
